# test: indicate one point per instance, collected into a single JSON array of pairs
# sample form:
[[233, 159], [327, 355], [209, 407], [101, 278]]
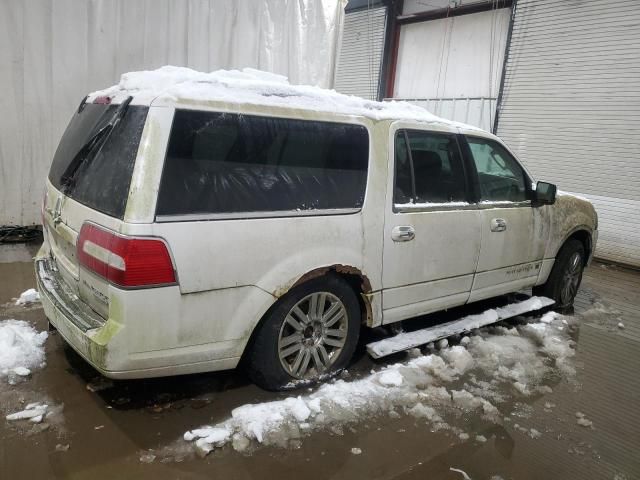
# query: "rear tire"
[[566, 275], [309, 335]]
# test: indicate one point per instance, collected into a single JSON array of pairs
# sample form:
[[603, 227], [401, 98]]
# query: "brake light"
[[125, 261], [102, 100]]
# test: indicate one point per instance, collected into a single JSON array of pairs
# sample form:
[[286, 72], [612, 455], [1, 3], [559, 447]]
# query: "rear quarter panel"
[[231, 271]]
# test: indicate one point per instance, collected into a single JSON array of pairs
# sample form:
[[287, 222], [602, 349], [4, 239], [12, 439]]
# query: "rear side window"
[[229, 163], [94, 162], [428, 168]]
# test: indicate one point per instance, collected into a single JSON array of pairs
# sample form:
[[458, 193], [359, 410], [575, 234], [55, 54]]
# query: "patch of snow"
[[390, 378], [356, 451], [461, 472], [33, 411], [21, 349], [147, 458], [481, 438], [28, 297], [582, 420], [250, 86], [549, 317], [521, 356], [420, 410], [533, 433]]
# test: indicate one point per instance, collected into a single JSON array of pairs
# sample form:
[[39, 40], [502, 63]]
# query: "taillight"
[[104, 100], [125, 261]]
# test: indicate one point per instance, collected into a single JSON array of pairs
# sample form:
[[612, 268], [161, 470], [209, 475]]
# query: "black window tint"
[[226, 163], [102, 178], [434, 169], [500, 176]]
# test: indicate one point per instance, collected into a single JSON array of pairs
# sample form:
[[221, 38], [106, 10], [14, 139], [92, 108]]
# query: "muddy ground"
[[109, 433]]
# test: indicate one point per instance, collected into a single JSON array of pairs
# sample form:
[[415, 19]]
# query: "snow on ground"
[[34, 412], [28, 297], [21, 349], [470, 377], [251, 86]]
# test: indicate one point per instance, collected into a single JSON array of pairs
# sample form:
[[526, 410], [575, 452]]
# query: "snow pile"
[[28, 297], [21, 349], [34, 412], [583, 421], [520, 358], [251, 86]]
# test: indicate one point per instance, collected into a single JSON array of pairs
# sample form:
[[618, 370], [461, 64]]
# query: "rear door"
[[513, 232], [432, 232], [89, 180]]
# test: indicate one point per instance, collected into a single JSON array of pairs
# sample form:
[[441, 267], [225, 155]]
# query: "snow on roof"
[[250, 86]]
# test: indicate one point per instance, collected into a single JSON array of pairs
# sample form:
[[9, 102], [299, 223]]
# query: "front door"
[[432, 232], [513, 232]]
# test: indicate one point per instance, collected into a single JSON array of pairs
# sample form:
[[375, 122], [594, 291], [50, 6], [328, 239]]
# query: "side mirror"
[[545, 193]]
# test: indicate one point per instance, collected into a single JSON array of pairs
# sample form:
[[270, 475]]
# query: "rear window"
[[94, 163], [228, 163]]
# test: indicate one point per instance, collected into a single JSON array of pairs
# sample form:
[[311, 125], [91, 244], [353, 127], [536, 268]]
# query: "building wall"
[[359, 66], [53, 52], [571, 108]]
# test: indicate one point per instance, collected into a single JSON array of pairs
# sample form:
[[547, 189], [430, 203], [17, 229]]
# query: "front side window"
[[500, 176], [229, 163], [428, 168]]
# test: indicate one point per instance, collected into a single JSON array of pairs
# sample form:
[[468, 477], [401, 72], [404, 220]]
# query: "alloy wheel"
[[312, 335]]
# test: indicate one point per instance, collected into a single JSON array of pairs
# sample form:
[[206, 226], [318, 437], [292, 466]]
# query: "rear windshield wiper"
[[91, 148]]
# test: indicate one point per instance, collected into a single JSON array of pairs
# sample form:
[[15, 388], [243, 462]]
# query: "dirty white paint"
[[231, 270], [53, 52]]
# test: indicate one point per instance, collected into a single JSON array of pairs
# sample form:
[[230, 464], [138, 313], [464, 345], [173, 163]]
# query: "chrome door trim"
[[202, 217]]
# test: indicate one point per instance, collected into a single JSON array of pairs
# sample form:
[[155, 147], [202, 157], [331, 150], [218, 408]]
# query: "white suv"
[[193, 220]]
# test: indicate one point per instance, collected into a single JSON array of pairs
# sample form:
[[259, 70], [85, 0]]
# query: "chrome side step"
[[407, 340]]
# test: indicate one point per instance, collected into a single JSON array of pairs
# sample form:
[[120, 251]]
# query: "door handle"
[[498, 225], [403, 233]]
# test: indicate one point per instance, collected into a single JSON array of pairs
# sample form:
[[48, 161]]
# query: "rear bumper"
[[75, 321], [103, 343]]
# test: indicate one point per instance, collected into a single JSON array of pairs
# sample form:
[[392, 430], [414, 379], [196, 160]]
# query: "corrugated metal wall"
[[360, 60], [571, 108], [53, 52]]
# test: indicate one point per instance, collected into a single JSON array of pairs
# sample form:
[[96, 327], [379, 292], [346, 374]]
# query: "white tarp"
[[53, 52]]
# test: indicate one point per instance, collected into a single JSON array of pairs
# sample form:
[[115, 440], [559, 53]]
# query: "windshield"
[[95, 157]]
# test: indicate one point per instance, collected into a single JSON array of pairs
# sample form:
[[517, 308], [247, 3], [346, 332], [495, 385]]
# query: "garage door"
[[571, 108], [451, 66], [360, 60]]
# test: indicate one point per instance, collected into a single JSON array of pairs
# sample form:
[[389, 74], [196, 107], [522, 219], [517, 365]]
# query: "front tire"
[[566, 275], [310, 334]]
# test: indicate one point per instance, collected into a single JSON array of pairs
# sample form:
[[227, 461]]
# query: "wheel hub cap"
[[312, 335]]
